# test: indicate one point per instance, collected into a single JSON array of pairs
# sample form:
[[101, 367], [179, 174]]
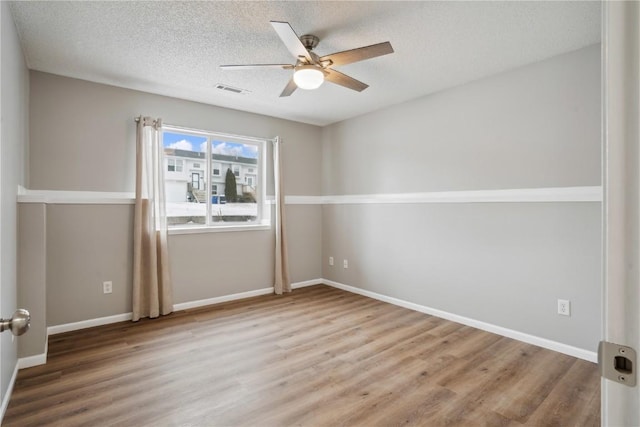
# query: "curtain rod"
[[149, 121], [221, 134]]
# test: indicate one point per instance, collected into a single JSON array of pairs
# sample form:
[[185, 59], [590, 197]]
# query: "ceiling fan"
[[311, 70]]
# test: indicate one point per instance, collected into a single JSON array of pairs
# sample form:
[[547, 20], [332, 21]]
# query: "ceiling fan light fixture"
[[308, 77]]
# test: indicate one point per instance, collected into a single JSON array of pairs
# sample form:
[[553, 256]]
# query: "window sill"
[[218, 229]]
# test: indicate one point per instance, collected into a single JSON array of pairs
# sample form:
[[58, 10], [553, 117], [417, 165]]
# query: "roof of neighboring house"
[[199, 155]]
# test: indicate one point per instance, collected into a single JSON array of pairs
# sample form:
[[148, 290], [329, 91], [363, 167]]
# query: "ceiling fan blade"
[[251, 66], [359, 54], [290, 39], [289, 88], [343, 80]]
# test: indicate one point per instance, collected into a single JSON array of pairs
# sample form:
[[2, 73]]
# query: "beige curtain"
[[152, 291], [282, 283]]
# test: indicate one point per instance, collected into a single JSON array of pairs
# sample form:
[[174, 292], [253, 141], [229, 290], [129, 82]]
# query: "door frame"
[[621, 198]]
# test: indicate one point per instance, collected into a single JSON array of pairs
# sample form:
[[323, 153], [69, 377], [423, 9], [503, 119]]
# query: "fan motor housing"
[[309, 41]]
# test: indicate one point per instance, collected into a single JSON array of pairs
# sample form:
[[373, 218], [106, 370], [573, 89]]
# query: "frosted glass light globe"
[[308, 77]]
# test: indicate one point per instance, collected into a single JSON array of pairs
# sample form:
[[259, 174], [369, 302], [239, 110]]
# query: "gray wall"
[[538, 126], [13, 142], [32, 275], [504, 263], [83, 138]]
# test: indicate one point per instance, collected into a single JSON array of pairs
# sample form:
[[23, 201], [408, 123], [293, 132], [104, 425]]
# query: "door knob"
[[18, 324]]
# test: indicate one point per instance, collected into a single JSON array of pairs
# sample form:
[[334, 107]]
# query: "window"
[[174, 165], [211, 198], [196, 165]]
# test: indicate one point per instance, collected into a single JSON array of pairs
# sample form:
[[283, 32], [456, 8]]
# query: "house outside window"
[[202, 199]]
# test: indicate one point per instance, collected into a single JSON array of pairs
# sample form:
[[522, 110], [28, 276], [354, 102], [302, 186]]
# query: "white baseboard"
[[306, 283], [31, 361], [68, 327], [7, 395], [224, 298], [580, 353], [241, 295], [510, 333]]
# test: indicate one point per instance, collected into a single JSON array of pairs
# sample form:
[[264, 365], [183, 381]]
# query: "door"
[[195, 180], [621, 203]]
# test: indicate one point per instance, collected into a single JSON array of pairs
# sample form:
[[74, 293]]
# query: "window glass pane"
[[185, 192], [237, 196]]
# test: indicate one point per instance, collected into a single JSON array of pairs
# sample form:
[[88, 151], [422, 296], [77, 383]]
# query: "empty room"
[[278, 213]]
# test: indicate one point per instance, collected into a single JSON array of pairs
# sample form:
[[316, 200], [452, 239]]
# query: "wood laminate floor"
[[316, 357]]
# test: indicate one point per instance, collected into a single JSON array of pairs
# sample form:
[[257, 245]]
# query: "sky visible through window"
[[198, 144]]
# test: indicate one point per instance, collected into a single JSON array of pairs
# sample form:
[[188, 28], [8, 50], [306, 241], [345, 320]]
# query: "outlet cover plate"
[[564, 307], [107, 287]]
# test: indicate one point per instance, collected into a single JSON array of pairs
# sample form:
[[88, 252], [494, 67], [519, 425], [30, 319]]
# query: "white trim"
[[509, 333], [306, 283], [174, 128], [552, 194], [68, 327], [217, 229], [7, 395], [75, 197], [31, 361], [83, 324], [520, 195], [304, 200], [36, 360], [224, 298], [241, 295]]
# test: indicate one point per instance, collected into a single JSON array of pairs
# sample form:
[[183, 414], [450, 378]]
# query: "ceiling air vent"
[[231, 89]]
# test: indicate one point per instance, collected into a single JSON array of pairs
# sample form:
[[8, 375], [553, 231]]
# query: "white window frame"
[[263, 221], [177, 163]]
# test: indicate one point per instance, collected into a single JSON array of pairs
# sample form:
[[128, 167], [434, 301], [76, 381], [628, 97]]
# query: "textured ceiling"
[[174, 48]]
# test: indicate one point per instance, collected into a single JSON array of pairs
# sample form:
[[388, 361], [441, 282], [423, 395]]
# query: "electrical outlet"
[[107, 287], [330, 260], [564, 307], [345, 263]]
